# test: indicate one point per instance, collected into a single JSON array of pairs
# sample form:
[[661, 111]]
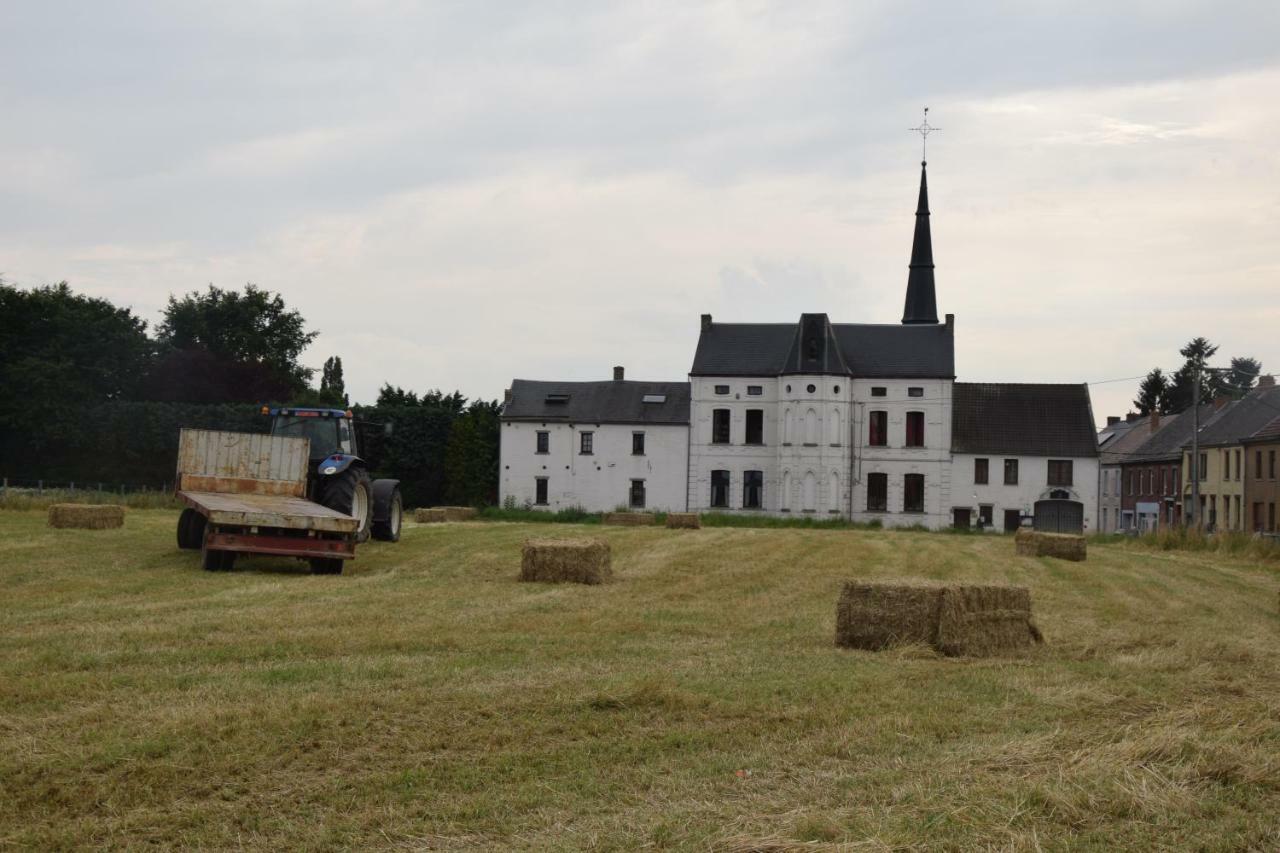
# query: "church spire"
[[922, 301]]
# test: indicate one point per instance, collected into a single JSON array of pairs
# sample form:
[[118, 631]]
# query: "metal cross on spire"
[[924, 130]]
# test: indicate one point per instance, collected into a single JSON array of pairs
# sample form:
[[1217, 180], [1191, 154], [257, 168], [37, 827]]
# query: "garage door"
[[1055, 516]]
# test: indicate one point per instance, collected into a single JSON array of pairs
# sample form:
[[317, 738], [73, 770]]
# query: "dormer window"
[[654, 398], [556, 398]]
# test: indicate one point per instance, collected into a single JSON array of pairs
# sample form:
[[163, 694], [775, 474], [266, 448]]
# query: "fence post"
[[39, 487], [73, 485]]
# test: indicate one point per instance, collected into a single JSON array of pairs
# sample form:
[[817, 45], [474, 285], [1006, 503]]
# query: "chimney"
[[1130, 417], [706, 322], [1267, 381], [1112, 420], [951, 321], [618, 372], [1155, 420], [506, 396]]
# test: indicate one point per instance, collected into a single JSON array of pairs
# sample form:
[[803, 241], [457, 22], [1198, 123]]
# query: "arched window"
[[833, 427], [786, 490], [810, 491], [835, 491], [811, 427]]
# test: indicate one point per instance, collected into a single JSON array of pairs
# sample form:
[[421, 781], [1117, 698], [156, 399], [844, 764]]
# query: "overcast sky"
[[456, 194]]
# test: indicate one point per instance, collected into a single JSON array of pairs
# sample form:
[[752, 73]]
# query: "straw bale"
[[459, 513], [684, 520], [629, 519], [429, 516], [955, 620], [1064, 546], [566, 560], [86, 516]]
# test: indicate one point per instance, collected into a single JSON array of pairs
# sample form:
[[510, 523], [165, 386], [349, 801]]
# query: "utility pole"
[[1193, 511]]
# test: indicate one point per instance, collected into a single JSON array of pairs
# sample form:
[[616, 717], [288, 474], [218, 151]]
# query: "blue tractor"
[[337, 474]]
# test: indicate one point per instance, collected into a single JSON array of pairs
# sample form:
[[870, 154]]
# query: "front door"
[[960, 518], [1012, 520]]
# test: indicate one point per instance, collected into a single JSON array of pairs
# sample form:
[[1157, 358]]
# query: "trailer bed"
[[283, 511]]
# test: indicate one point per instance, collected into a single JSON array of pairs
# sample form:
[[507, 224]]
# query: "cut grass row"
[[426, 699]]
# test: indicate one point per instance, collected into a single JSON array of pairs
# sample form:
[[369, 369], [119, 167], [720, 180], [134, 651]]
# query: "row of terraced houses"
[[1146, 466]]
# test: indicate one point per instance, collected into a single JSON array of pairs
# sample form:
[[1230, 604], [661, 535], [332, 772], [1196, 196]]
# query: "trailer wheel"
[[350, 493], [217, 561], [190, 529], [388, 529], [326, 566]]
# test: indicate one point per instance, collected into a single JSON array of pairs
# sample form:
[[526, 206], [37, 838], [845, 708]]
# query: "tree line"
[[1168, 394], [89, 393]]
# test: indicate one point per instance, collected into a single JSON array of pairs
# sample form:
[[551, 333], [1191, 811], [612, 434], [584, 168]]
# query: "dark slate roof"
[[1025, 420], [1166, 445], [1241, 418], [1134, 435], [609, 402], [878, 351], [1270, 432]]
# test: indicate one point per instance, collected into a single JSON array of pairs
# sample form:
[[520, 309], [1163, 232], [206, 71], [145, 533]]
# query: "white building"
[[595, 445], [1021, 451], [816, 419]]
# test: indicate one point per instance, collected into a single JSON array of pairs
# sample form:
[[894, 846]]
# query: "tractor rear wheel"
[[350, 493], [388, 530]]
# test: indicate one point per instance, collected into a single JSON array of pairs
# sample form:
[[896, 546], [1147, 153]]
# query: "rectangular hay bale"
[[86, 516], [459, 513], [684, 520], [586, 561], [956, 620], [1064, 546], [628, 519], [430, 515]]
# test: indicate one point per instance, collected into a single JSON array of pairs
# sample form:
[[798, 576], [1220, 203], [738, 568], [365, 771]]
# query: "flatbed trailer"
[[244, 494]]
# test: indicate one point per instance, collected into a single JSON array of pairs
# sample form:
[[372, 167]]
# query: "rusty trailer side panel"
[[242, 463]]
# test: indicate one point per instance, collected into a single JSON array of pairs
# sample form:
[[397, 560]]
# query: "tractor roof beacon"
[[338, 471]]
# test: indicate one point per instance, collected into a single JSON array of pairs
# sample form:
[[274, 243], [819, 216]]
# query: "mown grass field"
[[426, 700]]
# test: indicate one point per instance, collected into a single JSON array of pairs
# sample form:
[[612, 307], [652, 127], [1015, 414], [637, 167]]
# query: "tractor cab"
[[332, 431], [337, 476]]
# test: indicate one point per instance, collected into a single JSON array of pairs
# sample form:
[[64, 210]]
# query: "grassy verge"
[[30, 499], [426, 700]]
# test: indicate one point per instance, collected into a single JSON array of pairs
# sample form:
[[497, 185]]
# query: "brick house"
[[1115, 443], [1151, 474], [1222, 456]]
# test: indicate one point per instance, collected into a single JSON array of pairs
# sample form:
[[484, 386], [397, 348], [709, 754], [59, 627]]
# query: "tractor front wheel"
[[350, 493]]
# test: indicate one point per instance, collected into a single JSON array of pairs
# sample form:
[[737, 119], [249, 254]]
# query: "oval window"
[[788, 389], [835, 390], [812, 388]]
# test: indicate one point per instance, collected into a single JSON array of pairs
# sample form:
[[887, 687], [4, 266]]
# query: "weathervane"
[[924, 130]]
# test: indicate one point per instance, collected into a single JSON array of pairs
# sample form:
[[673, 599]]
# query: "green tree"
[[471, 456], [1181, 390], [332, 387], [61, 352], [251, 336], [1151, 392], [1244, 374]]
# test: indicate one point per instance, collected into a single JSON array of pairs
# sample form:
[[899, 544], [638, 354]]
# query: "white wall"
[[1033, 485], [897, 460], [598, 482], [816, 464]]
